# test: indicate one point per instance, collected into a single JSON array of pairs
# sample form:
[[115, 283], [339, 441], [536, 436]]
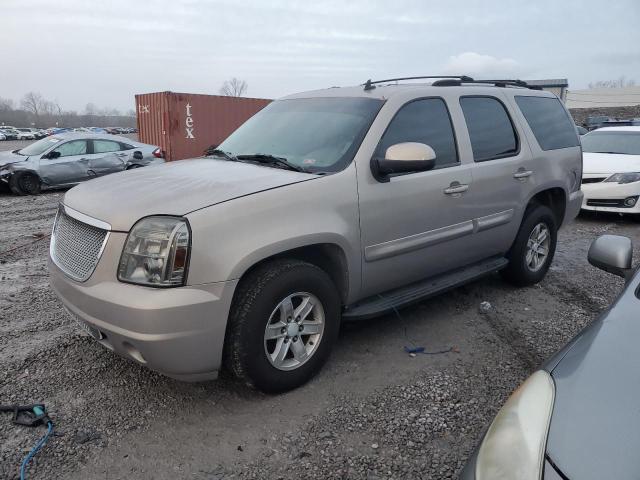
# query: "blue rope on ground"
[[35, 450]]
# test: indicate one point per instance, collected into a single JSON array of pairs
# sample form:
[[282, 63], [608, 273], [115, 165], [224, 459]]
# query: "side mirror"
[[404, 157], [52, 155], [137, 155], [613, 254]]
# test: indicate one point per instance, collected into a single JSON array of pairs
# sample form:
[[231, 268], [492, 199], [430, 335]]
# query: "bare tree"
[[617, 83], [48, 107], [90, 109], [6, 104], [234, 87], [32, 102]]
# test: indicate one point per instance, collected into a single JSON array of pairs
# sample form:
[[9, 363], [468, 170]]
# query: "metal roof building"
[[554, 85]]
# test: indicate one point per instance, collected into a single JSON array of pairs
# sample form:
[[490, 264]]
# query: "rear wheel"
[[534, 247], [283, 324], [24, 183]]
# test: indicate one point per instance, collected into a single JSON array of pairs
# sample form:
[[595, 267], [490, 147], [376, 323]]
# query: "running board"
[[403, 296]]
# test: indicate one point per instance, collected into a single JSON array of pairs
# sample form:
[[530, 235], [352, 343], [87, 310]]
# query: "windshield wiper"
[[272, 159], [216, 152]]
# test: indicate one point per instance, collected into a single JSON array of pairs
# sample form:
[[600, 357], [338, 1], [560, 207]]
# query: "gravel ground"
[[373, 412]]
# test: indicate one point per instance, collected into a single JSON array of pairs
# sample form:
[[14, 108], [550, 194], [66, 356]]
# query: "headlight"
[[624, 177], [515, 443], [156, 252]]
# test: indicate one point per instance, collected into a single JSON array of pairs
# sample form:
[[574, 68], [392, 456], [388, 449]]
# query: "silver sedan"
[[67, 159]]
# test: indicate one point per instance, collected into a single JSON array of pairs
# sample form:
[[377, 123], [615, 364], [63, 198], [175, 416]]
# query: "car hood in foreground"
[[174, 188], [610, 163], [9, 157], [595, 427]]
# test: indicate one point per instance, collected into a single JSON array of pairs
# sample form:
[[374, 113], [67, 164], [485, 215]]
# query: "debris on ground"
[[485, 307]]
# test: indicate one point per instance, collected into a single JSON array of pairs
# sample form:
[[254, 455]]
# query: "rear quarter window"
[[549, 122]]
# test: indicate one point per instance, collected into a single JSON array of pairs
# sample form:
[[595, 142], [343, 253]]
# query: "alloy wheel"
[[538, 247], [294, 331]]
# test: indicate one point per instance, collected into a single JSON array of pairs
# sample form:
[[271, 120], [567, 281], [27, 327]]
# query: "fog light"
[[630, 201]]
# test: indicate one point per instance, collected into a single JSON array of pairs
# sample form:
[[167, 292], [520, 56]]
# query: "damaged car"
[[66, 159]]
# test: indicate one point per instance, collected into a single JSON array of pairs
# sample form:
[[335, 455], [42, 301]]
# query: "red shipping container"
[[183, 125]]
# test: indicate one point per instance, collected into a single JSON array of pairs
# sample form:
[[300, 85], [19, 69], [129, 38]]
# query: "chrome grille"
[[76, 246]]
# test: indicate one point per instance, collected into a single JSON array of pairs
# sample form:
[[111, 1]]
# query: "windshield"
[[317, 134], [39, 147], [625, 143]]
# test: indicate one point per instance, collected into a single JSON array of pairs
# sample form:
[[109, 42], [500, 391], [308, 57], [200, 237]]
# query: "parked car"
[[97, 130], [339, 203], [2, 137], [66, 159], [578, 416], [581, 130], [25, 134], [596, 121], [37, 132], [9, 133], [611, 177]]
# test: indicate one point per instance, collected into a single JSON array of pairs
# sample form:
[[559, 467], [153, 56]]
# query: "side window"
[[490, 129], [104, 146], [426, 121], [549, 122], [126, 146], [75, 147]]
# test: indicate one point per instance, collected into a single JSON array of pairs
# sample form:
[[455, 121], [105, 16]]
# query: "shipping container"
[[184, 125]]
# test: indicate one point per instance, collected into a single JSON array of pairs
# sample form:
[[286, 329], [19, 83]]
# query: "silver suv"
[[335, 204]]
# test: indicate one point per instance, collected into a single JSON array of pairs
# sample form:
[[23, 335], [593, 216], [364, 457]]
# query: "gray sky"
[[105, 51]]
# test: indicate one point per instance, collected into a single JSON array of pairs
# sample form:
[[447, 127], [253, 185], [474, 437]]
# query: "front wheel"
[[24, 183], [533, 249], [283, 324]]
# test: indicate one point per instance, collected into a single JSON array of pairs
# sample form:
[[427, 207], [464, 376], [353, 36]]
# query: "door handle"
[[456, 188], [522, 174]]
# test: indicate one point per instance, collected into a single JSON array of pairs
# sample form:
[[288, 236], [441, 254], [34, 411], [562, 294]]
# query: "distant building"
[[558, 86], [603, 97]]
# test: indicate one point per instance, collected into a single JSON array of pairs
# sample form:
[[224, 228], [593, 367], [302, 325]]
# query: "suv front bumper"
[[178, 332]]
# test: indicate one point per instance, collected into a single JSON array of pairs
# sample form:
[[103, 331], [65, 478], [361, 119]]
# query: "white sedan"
[[611, 174], [25, 134]]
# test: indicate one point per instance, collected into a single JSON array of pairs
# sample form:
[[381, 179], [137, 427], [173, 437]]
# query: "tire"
[[247, 350], [24, 183], [523, 270]]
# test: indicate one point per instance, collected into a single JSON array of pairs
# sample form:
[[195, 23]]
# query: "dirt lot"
[[373, 412]]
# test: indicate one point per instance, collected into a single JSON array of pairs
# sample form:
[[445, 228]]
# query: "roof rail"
[[455, 80], [370, 85], [505, 82]]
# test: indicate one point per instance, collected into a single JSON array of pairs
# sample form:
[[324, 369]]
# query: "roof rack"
[[454, 80], [370, 85]]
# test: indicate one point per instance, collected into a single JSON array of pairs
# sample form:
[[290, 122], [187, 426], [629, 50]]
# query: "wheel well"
[[327, 256], [555, 199]]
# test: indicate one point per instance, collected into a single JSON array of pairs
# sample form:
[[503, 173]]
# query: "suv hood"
[[610, 163], [174, 188], [595, 426]]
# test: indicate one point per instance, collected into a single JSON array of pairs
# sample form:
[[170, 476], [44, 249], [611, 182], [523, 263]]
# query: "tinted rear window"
[[549, 122], [490, 129]]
